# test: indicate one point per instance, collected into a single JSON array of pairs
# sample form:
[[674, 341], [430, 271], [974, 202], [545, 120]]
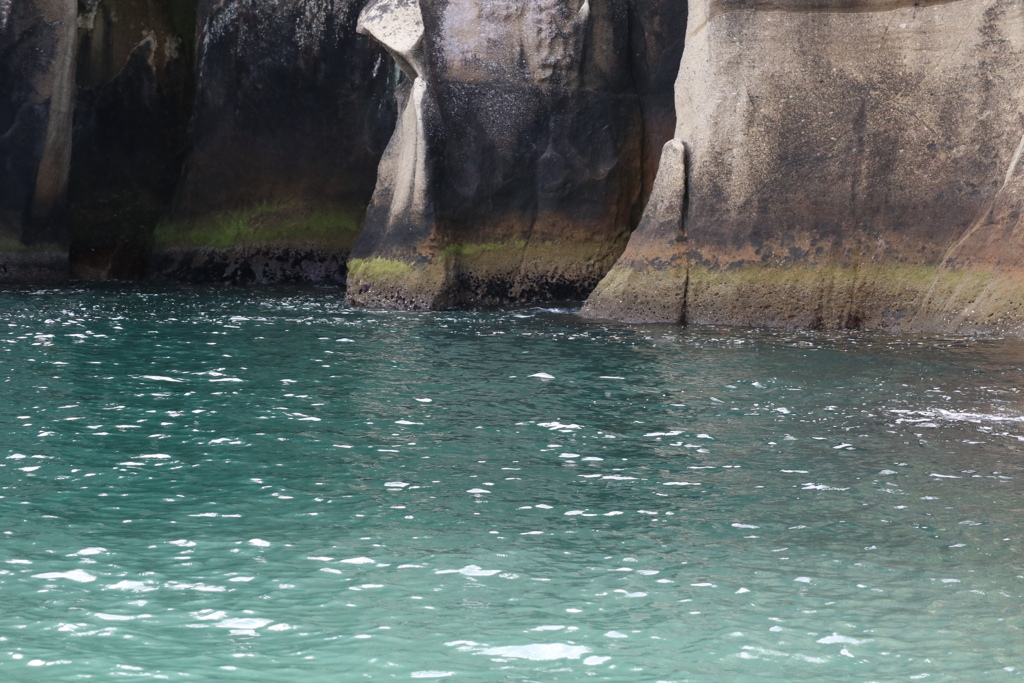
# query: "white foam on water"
[[542, 375], [89, 551], [198, 587], [553, 426], [431, 674], [133, 586], [249, 624], [846, 640], [359, 560], [78, 575], [957, 416], [681, 483], [538, 652], [208, 614], [470, 570], [259, 543]]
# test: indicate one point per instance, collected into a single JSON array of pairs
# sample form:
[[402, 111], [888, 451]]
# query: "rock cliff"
[[292, 112], [849, 163], [134, 77], [37, 41], [517, 168], [192, 140], [793, 163]]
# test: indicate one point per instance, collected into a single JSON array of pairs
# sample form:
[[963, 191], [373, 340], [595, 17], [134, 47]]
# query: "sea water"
[[212, 484]]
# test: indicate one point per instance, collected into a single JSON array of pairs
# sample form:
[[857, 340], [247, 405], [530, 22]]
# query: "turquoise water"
[[269, 486]]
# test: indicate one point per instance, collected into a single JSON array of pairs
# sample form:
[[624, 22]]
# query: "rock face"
[[517, 168], [37, 39], [292, 112], [648, 283], [850, 163], [135, 82]]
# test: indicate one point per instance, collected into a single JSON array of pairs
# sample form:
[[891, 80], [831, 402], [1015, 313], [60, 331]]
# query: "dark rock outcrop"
[[37, 39], [292, 112], [134, 96], [850, 163], [517, 168]]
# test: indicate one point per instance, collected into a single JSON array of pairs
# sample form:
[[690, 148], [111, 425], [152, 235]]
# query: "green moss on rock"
[[270, 223]]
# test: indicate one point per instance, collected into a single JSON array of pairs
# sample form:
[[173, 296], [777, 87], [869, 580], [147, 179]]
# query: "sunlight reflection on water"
[[211, 483]]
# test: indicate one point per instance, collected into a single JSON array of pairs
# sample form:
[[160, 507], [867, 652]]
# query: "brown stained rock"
[[648, 283], [516, 171], [852, 163]]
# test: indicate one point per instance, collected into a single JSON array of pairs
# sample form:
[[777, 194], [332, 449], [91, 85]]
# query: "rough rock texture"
[[293, 110], [37, 39], [648, 283], [851, 163], [256, 265], [517, 168], [134, 96]]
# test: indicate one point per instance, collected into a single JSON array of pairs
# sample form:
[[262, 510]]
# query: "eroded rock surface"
[[851, 163], [293, 110], [37, 39], [517, 168], [134, 96]]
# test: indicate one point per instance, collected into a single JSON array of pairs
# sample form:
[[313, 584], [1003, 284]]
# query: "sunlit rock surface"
[[37, 39], [850, 163], [517, 169]]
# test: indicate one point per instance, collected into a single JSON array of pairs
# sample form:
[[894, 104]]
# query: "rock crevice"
[[516, 172]]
